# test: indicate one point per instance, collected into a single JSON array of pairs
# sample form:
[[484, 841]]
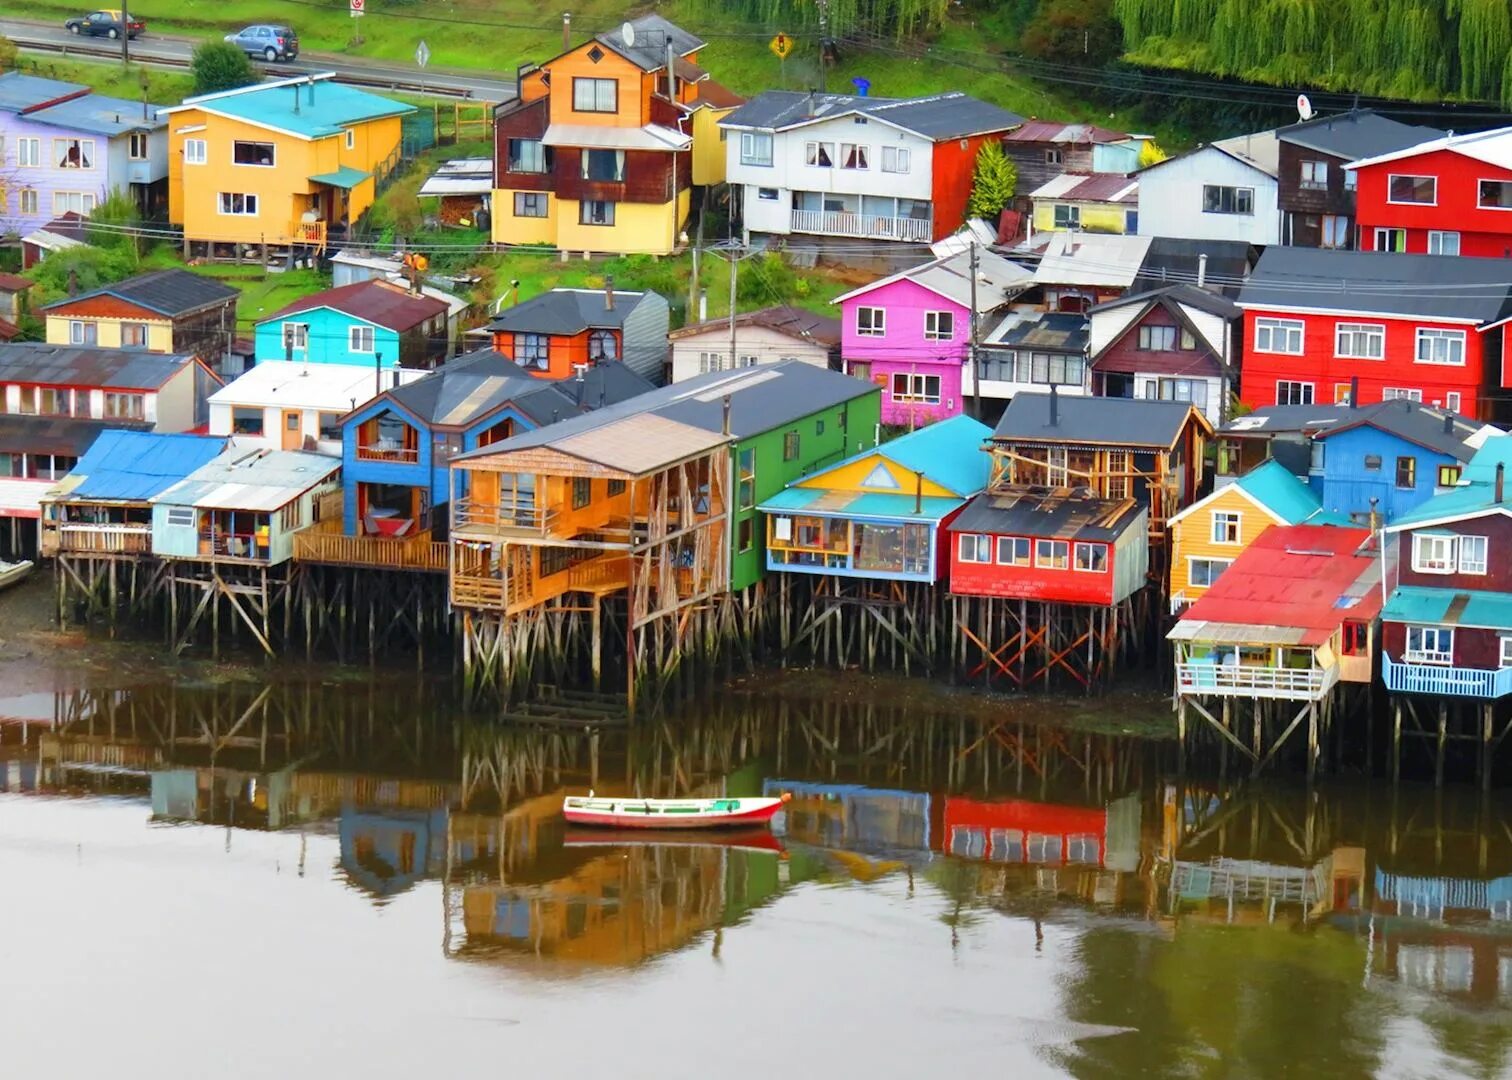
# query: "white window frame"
[[196, 151], [1311, 392], [767, 194], [811, 151], [86, 153], [1193, 560], [932, 331], [1013, 559], [1433, 554], [1241, 195], [901, 158], [1049, 562], [357, 335], [1506, 654], [28, 201], [1480, 203], [28, 152], [918, 388], [1436, 242], [1402, 393], [1438, 334], [181, 517], [1476, 563], [1411, 202], [1223, 517], [138, 146], [1314, 175], [976, 540], [596, 86], [1388, 232], [295, 336], [61, 203], [249, 203], [1267, 329], [878, 321], [1089, 546], [83, 332], [750, 144], [1442, 651], [1452, 400], [1348, 336]]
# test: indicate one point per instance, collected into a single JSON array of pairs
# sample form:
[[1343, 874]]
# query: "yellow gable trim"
[[852, 477]]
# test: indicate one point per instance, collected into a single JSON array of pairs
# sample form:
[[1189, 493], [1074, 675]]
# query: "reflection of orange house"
[[1019, 831]]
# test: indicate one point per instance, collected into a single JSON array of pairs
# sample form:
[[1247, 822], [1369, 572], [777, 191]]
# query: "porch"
[[866, 217], [1444, 680], [1286, 674], [325, 542], [95, 529], [816, 544]]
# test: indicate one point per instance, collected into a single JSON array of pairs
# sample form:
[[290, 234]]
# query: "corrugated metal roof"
[[324, 107], [461, 176], [1078, 258], [71, 365], [1380, 282], [1098, 187], [18, 91], [1449, 607], [256, 480], [133, 466], [1095, 420], [170, 293], [783, 318], [998, 279], [1050, 515], [948, 452], [935, 116], [1056, 131], [1056, 331], [64, 436], [294, 384], [101, 115], [1273, 486], [1434, 429], [379, 302], [593, 137]]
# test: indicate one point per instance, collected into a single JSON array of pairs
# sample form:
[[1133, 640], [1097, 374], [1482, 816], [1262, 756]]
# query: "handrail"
[[1243, 680], [402, 454], [418, 552], [1409, 678]]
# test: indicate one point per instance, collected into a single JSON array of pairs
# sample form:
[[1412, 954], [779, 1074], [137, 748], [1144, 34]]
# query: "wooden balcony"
[[106, 539], [1444, 680], [865, 226], [325, 542], [502, 519], [312, 233], [1238, 680], [402, 455]]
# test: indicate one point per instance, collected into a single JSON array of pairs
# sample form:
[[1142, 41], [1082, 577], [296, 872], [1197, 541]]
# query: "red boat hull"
[[750, 838], [653, 821]]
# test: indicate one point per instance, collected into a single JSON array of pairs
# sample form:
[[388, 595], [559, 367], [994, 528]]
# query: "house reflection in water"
[[853, 816], [385, 852]]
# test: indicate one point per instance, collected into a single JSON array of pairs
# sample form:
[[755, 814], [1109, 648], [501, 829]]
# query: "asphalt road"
[[150, 47]]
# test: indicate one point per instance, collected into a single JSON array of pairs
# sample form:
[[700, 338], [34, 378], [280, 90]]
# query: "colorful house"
[[910, 333], [169, 392], [372, 323], [294, 406], [243, 507], [596, 153], [1284, 433], [1445, 195], [1104, 203], [764, 336], [1031, 351], [1226, 190], [35, 453], [283, 162], [881, 514], [1041, 150], [64, 149], [1448, 619], [1421, 327], [1079, 269], [162, 311], [1210, 534], [555, 333], [837, 165]]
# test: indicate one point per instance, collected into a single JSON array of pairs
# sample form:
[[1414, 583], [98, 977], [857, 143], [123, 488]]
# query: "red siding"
[[1498, 576], [1126, 357], [1069, 586], [1482, 232], [1473, 647], [952, 169]]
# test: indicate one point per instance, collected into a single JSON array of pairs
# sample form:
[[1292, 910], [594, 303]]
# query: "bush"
[[1082, 32], [766, 280], [90, 267], [10, 56], [993, 184], [219, 65], [119, 212]]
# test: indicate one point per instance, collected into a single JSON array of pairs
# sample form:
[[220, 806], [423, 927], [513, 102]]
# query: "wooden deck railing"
[[326, 543], [107, 539], [501, 518], [607, 572], [1445, 681], [312, 233], [1237, 680], [405, 455]]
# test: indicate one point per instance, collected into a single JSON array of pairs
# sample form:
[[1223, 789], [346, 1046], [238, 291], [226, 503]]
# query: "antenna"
[[1304, 107], [628, 33]]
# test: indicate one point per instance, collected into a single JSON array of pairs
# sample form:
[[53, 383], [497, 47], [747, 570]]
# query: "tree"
[[10, 56], [1082, 32], [114, 224], [1151, 154], [993, 184], [219, 65], [84, 267]]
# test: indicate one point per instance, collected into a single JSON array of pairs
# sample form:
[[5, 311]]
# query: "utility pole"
[[823, 30], [125, 34], [734, 264], [976, 372]]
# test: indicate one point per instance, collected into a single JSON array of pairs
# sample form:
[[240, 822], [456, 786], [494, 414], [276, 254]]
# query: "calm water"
[[304, 880]]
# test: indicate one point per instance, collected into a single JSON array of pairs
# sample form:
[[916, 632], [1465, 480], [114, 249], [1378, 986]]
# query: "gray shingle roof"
[[101, 115], [567, 311], [937, 116], [66, 436], [1171, 259], [1110, 421], [1355, 135], [1187, 295], [18, 91], [1065, 517], [1433, 429], [71, 365], [1380, 282], [649, 52], [170, 293]]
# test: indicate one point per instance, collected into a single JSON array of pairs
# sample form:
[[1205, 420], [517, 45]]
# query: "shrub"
[[219, 65], [90, 267], [993, 184], [10, 56], [120, 213]]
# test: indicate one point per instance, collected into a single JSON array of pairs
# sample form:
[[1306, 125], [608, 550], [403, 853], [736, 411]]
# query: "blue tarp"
[[133, 466]]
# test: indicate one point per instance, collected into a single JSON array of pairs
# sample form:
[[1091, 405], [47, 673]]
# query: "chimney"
[[919, 490], [1448, 423], [1501, 481], [608, 292], [566, 31], [1054, 406], [1354, 391], [296, 99], [725, 427], [1202, 270], [1375, 521], [310, 97]]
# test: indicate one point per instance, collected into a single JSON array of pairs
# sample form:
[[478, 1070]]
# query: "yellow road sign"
[[781, 45]]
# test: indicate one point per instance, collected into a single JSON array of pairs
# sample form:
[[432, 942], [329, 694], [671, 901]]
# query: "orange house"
[[556, 333]]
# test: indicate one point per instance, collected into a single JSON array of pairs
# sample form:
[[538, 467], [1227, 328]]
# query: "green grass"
[[161, 86], [262, 293]]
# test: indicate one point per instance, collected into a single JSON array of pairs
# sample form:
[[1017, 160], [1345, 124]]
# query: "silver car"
[[267, 41]]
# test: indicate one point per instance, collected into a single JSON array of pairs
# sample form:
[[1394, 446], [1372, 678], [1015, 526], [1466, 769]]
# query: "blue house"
[[386, 851], [880, 513], [369, 323], [1392, 457], [397, 448]]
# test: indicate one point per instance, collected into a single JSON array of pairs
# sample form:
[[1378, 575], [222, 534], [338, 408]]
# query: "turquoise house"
[[370, 323]]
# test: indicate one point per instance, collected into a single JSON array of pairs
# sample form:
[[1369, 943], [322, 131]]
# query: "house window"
[[974, 548], [196, 152], [604, 165], [252, 153], [1013, 551], [1400, 393], [73, 202], [745, 538], [595, 212], [1472, 554], [125, 406], [767, 194], [1191, 390], [790, 446], [746, 479], [74, 153], [42, 401], [329, 426], [136, 146], [532, 351], [1052, 554], [1391, 240], [1314, 175], [133, 335], [1052, 157], [1201, 573], [1373, 462], [1360, 341], [1414, 190], [821, 155], [709, 361], [237, 204], [1290, 392], [1355, 640], [614, 487], [181, 517], [755, 148], [296, 337], [1219, 199], [1452, 401], [29, 153], [895, 159], [1067, 217], [1448, 475], [1441, 347], [1056, 368], [1430, 645], [1116, 478], [1091, 558], [1279, 336], [853, 156], [83, 333], [527, 156], [1443, 243], [1335, 231], [582, 492], [939, 325], [871, 321], [1406, 473], [602, 346], [595, 95], [1157, 338], [530, 204], [922, 389], [246, 420], [1057, 461], [1495, 195], [27, 201], [360, 339], [351, 139], [1317, 454], [1433, 553], [1226, 527]]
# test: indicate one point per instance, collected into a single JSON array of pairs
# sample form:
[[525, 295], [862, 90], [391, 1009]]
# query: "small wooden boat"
[[633, 813], [13, 573], [754, 838]]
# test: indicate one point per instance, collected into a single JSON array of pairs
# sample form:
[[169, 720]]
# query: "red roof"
[[1307, 577], [379, 302], [14, 283], [1058, 132]]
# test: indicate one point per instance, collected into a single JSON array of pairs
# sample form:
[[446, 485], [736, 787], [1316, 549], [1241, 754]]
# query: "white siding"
[[1170, 200], [172, 408], [767, 345], [1142, 389], [1105, 327]]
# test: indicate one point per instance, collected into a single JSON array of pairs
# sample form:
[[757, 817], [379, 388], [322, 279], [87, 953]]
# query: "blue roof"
[[324, 108], [101, 115], [1417, 604], [1476, 492], [133, 466], [860, 505], [19, 91], [948, 453], [1274, 487]]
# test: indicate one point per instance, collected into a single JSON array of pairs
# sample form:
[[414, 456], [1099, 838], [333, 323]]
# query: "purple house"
[[65, 149], [911, 332]]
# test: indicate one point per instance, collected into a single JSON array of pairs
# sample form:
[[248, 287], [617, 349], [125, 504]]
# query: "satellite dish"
[[1304, 107], [628, 33]]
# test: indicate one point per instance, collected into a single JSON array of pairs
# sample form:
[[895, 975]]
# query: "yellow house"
[[601, 149], [1210, 534], [163, 311], [1102, 202], [281, 162]]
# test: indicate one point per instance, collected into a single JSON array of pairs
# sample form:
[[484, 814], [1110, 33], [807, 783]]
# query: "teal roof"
[[1416, 604], [1476, 492], [934, 508], [1274, 487], [344, 177], [325, 107], [948, 452]]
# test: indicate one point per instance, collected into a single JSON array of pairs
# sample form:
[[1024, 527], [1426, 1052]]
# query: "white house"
[[1227, 190], [875, 168], [766, 336], [284, 405]]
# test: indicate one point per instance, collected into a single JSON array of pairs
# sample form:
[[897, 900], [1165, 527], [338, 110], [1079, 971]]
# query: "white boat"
[[13, 573], [633, 813]]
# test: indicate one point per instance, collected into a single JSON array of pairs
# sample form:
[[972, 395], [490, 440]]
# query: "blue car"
[[267, 41]]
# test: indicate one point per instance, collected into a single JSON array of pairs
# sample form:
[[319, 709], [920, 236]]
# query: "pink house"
[[911, 332]]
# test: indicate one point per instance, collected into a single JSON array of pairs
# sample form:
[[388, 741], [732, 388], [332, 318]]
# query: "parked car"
[[267, 41], [105, 23]]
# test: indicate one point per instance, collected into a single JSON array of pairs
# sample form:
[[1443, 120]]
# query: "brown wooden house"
[[164, 311]]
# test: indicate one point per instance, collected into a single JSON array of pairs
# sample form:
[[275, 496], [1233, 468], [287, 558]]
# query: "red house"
[[1421, 327], [1020, 831], [1058, 546], [1447, 196]]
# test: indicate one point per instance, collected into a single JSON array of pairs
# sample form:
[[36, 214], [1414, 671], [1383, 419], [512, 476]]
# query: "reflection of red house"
[[1019, 831]]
